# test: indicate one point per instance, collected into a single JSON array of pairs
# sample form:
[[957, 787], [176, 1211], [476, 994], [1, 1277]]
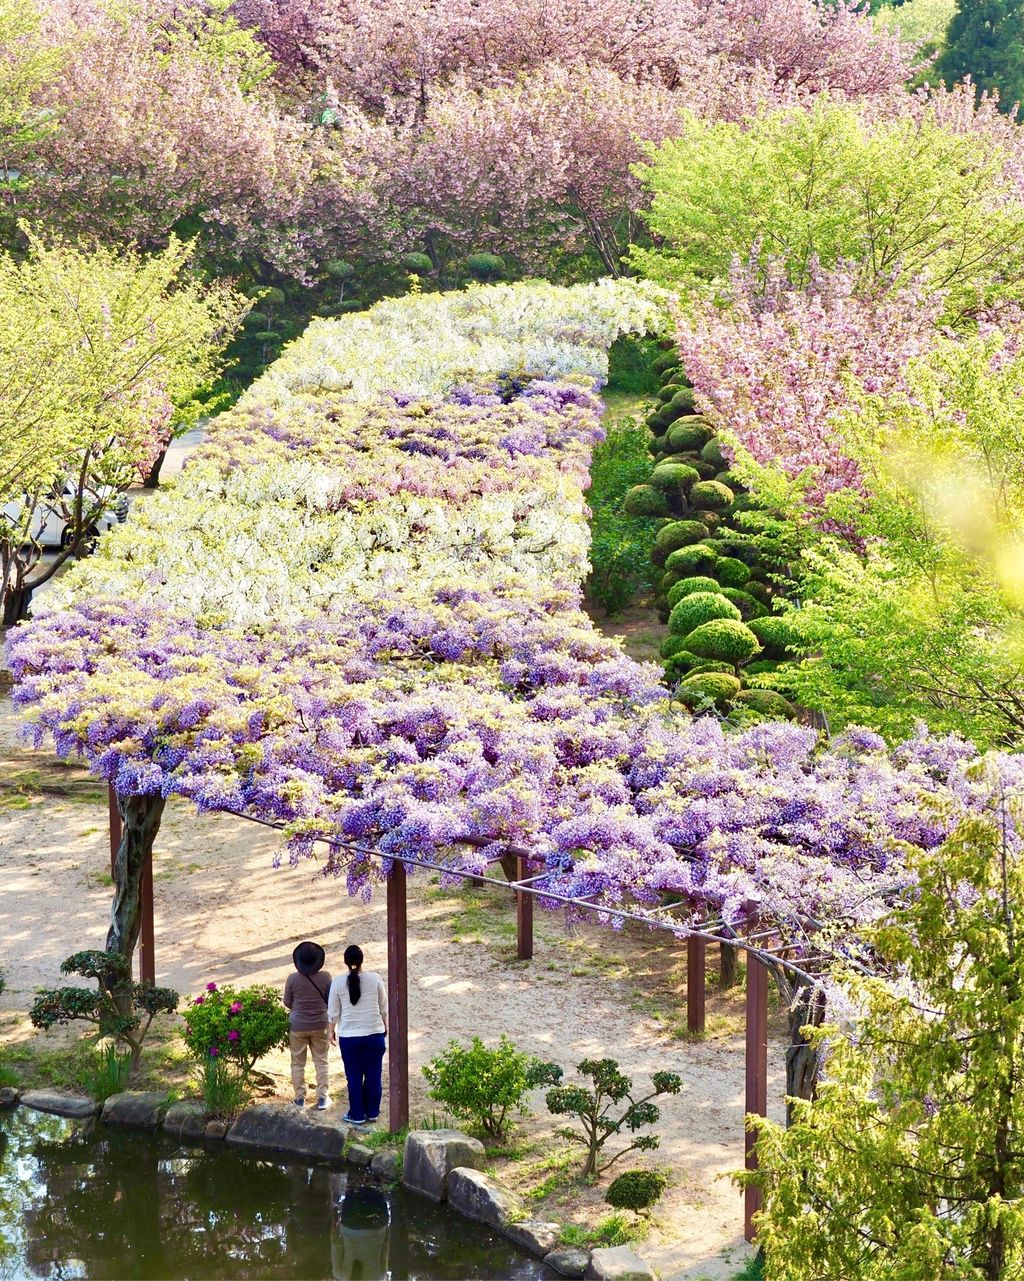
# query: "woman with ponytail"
[[356, 1007]]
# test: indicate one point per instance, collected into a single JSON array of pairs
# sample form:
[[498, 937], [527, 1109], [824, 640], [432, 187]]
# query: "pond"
[[78, 1199]]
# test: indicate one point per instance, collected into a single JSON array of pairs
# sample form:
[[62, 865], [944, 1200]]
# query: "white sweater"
[[364, 1019]]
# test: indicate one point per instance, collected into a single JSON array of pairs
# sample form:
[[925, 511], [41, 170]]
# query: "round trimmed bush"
[[636, 1189], [776, 634], [418, 264], [668, 391], [745, 503], [696, 559], [256, 320], [273, 296], [680, 533], [667, 582], [724, 638], [667, 360], [684, 460], [682, 401], [645, 500], [731, 572], [760, 667], [767, 703], [712, 453], [759, 591], [710, 494], [710, 665], [690, 432], [680, 664], [671, 476], [684, 586], [339, 269], [707, 472], [697, 608], [731, 479], [708, 687], [485, 266], [748, 607], [671, 646]]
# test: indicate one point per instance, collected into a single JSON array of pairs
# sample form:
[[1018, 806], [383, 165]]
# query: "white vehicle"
[[49, 526]]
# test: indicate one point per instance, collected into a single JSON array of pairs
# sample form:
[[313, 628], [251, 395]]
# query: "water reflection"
[[86, 1201]]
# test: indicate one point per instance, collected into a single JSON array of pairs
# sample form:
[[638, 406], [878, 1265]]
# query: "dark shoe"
[[354, 1120]]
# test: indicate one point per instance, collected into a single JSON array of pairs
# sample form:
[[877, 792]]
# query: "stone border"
[[444, 1165]]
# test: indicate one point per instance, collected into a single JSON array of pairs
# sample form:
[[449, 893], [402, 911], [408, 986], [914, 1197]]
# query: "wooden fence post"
[[524, 914], [757, 1075], [696, 983], [398, 1000]]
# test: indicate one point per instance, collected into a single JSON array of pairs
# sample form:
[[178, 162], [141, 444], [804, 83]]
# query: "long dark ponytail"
[[353, 959]]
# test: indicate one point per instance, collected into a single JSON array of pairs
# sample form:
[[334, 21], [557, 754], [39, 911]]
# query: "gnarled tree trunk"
[[803, 1059], [140, 822]]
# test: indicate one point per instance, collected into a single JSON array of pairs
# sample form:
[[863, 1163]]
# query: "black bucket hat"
[[309, 957]]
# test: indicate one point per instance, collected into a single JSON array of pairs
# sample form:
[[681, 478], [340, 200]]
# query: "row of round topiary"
[[716, 589]]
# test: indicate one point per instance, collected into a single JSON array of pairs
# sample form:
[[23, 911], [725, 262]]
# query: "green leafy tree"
[[905, 200], [986, 42], [909, 1163], [593, 1107], [119, 1008], [27, 64], [486, 1087]]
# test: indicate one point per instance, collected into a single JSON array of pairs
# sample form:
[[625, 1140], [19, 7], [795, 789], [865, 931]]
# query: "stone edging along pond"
[[444, 1165]]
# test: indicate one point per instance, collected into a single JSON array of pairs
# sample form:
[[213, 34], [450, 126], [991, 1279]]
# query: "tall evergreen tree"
[[986, 42]]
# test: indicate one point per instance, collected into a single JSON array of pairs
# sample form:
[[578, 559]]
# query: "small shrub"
[[699, 607], [711, 494], [673, 476], [222, 1087], [671, 645], [679, 533], [240, 1026], [636, 1189], [682, 400], [645, 500], [109, 1073], [485, 1087], [690, 432], [702, 688], [747, 605], [685, 586], [731, 572], [776, 634], [592, 1106], [697, 559], [485, 267], [766, 702], [418, 264], [723, 638]]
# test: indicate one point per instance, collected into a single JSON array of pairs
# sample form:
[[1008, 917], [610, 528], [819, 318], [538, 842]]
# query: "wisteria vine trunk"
[[803, 1056], [140, 823]]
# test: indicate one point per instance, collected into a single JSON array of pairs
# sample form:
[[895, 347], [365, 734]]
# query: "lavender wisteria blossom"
[[358, 615]]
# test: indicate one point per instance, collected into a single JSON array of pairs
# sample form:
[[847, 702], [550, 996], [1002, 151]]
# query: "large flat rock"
[[618, 1263], [285, 1128], [185, 1120], [61, 1104], [143, 1109], [479, 1197], [536, 1235], [431, 1155], [568, 1262]]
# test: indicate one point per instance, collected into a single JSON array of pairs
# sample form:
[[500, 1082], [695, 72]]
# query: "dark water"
[[81, 1200]]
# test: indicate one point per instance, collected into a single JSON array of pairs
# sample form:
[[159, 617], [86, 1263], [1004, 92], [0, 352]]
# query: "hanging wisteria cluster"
[[358, 614]]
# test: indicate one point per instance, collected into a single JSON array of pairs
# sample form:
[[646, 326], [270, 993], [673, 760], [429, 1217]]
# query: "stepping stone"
[[60, 1104], [535, 1235], [142, 1109], [618, 1263]]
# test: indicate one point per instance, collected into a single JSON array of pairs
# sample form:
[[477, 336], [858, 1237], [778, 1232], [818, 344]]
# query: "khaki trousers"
[[319, 1044]]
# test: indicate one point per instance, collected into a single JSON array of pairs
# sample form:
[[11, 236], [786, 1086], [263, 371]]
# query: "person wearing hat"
[[305, 996]]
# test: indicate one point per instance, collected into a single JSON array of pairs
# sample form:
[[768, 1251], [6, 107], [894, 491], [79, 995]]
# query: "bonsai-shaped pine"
[[484, 1087], [121, 1009], [592, 1107]]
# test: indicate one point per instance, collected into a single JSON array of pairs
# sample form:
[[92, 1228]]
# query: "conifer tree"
[[986, 42]]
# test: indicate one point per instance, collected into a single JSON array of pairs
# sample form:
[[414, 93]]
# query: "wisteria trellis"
[[358, 613]]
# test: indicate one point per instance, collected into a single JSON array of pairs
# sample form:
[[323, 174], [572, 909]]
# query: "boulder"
[[358, 1154], [618, 1263], [298, 1131], [386, 1166], [431, 1155], [9, 1096], [216, 1130], [185, 1120], [568, 1262], [479, 1197], [535, 1235], [61, 1104], [142, 1109]]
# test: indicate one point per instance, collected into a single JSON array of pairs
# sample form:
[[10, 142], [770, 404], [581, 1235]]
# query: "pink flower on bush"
[[233, 1035], [199, 1000], [214, 1051], [211, 987], [236, 1007]]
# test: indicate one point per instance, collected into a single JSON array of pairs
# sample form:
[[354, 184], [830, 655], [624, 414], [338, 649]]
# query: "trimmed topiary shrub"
[[697, 608], [766, 702], [674, 476], [708, 687], [418, 264], [747, 605], [759, 591], [683, 587], [669, 391], [644, 500], [485, 267], [710, 494], [724, 638], [667, 581], [776, 634], [712, 453], [731, 572], [682, 401], [636, 1189], [671, 645], [691, 432], [680, 533], [710, 665], [761, 666], [666, 361], [256, 320], [681, 663], [697, 559]]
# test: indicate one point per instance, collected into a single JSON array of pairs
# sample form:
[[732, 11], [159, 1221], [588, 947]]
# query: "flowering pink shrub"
[[242, 1026]]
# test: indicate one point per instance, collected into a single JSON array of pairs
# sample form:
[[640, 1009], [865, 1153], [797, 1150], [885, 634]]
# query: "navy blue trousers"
[[363, 1057]]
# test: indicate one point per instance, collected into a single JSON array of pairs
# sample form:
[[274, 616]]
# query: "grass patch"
[[754, 1270], [616, 1229]]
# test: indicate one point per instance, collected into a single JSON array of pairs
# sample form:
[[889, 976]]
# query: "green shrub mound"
[[760, 591], [681, 663], [747, 605], [728, 542], [485, 266], [645, 500], [669, 390], [667, 360], [706, 471], [710, 665], [766, 702], [419, 264], [745, 503], [672, 645], [761, 667], [658, 425], [672, 476], [268, 336], [712, 495], [776, 634], [256, 320], [273, 296], [684, 460], [724, 638], [690, 432], [680, 533], [686, 585], [697, 559], [667, 581], [636, 1189], [697, 608], [712, 453], [682, 401], [708, 687], [485, 1088], [731, 572], [730, 478]]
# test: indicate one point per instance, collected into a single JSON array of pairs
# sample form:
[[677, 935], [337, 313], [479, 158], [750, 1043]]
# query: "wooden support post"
[[147, 934], [524, 914], [696, 962], [757, 1075], [398, 1001], [114, 821]]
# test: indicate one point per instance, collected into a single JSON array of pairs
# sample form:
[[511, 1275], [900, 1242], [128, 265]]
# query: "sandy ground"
[[224, 913]]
